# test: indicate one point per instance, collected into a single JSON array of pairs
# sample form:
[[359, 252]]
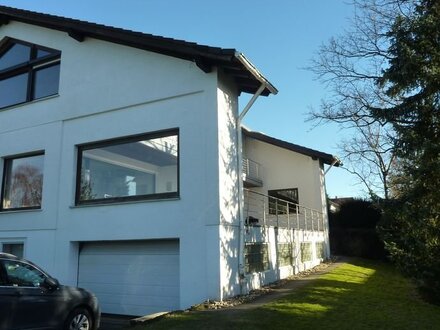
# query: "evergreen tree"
[[386, 71], [412, 226]]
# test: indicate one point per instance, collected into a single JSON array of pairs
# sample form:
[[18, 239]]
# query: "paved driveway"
[[114, 322]]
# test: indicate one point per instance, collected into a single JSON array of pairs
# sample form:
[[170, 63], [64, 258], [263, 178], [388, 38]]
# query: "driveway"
[[114, 322]]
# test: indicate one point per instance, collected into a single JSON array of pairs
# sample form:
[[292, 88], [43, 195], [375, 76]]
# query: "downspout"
[[264, 84], [241, 231], [335, 161]]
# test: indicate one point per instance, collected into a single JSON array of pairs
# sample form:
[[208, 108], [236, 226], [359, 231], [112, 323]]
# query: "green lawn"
[[358, 295]]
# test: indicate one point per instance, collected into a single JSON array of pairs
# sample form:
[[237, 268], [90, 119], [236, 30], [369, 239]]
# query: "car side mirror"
[[51, 283]]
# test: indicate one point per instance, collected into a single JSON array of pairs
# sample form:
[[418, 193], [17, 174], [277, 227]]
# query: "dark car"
[[31, 299]]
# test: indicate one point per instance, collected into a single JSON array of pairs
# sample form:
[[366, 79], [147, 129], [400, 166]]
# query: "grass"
[[358, 295]]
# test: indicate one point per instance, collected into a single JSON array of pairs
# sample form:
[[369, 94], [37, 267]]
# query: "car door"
[[34, 305], [7, 300]]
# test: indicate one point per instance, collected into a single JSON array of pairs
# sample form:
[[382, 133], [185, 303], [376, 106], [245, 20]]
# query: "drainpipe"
[[335, 161], [264, 84], [241, 230]]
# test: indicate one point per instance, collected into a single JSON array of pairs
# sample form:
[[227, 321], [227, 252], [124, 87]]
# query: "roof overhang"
[[246, 76]]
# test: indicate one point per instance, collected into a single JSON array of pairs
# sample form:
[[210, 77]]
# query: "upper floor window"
[[27, 72], [22, 182], [283, 201], [132, 168]]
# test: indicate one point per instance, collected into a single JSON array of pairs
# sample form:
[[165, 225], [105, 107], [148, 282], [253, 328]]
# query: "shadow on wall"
[[229, 197]]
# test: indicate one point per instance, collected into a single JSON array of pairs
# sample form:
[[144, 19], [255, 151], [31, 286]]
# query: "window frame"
[[320, 250], [29, 67], [13, 242], [123, 140], [262, 264], [306, 249], [290, 204], [8, 159], [285, 258]]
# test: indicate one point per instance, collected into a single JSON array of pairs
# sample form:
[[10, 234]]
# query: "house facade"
[[122, 158]]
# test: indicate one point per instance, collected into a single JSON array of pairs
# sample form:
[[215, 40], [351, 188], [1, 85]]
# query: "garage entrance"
[[131, 277]]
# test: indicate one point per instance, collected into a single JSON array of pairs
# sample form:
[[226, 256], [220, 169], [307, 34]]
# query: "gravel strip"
[[241, 299]]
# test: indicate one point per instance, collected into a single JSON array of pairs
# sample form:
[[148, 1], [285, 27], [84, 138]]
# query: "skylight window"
[[27, 72]]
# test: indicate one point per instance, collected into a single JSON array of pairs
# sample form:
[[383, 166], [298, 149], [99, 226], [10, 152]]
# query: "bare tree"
[[369, 155], [351, 67]]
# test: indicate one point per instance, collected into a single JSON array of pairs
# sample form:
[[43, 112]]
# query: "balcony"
[[251, 173], [266, 211]]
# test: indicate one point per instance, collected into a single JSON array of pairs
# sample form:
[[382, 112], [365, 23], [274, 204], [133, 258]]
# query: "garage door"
[[132, 278]]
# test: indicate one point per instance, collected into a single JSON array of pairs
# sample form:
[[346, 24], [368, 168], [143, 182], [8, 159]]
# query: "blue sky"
[[280, 37]]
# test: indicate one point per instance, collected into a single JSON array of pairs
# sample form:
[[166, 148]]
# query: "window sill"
[[27, 103], [19, 211], [124, 202]]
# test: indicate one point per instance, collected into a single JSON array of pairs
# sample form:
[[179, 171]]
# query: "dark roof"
[[233, 63], [315, 154]]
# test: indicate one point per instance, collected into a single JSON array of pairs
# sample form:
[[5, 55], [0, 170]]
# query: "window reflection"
[[13, 90], [144, 167], [16, 54], [46, 81], [20, 60], [23, 182]]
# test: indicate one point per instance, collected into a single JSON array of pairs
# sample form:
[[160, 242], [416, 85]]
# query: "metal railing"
[[264, 210]]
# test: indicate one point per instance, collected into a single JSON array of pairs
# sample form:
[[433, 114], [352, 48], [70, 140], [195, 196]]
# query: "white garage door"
[[132, 278]]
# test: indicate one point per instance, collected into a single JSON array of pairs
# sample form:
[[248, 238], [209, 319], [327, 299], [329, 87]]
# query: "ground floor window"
[[16, 249], [22, 182], [256, 257], [320, 250], [285, 254], [306, 251]]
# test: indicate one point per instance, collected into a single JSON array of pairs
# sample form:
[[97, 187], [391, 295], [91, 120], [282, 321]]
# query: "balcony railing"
[[251, 173], [263, 210]]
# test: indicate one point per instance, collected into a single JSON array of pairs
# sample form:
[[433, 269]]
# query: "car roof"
[[8, 255]]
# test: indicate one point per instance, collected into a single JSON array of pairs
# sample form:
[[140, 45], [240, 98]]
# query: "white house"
[[125, 169]]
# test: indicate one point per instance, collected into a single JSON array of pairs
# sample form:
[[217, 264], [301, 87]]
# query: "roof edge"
[[245, 74], [257, 74], [326, 158]]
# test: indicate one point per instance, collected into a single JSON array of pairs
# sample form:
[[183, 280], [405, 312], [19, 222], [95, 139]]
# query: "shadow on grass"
[[358, 295]]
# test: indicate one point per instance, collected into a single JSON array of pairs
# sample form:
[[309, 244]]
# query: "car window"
[[22, 274], [2, 274]]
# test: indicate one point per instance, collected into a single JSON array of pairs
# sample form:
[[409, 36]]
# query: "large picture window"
[[27, 72], [132, 168], [22, 182]]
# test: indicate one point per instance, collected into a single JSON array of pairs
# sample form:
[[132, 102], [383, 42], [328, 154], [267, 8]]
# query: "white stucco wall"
[[282, 169], [272, 237], [229, 174], [108, 91]]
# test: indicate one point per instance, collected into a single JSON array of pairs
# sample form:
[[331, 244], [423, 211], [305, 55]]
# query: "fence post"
[[264, 212], [297, 216]]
